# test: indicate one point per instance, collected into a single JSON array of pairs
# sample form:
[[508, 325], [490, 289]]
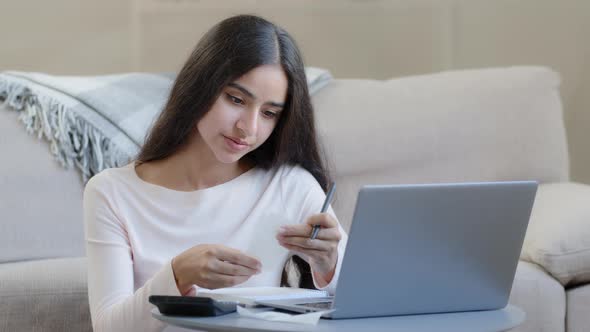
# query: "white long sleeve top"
[[134, 228]]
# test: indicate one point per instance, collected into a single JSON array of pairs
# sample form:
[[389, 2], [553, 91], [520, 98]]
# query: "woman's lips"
[[234, 145]]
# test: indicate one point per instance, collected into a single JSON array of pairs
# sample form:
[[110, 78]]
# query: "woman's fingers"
[[306, 243], [230, 269], [304, 231], [324, 220], [236, 257], [328, 228], [301, 230], [314, 254], [329, 234]]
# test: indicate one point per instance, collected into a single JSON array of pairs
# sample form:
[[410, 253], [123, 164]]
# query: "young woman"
[[225, 190]]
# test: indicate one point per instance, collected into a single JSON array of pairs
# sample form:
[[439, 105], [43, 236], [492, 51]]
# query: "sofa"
[[472, 125]]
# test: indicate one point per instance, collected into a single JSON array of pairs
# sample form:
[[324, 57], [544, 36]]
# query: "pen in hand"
[[316, 228]]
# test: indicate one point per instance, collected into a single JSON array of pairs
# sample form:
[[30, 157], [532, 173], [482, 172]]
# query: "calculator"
[[191, 305]]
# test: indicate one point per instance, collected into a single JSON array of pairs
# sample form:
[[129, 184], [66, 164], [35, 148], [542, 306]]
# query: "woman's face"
[[245, 114]]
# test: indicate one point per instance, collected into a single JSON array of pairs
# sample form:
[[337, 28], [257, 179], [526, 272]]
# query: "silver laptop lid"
[[433, 248]]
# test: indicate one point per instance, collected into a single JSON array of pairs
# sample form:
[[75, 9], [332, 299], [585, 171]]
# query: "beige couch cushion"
[[40, 201], [541, 297], [44, 295], [558, 237], [471, 125], [578, 308]]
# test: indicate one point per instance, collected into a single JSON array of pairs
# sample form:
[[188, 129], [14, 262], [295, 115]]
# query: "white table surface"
[[476, 321]]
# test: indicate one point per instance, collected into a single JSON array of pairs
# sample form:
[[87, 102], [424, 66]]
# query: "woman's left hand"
[[322, 252]]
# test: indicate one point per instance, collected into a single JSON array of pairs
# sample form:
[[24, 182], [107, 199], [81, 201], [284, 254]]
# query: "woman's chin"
[[229, 158]]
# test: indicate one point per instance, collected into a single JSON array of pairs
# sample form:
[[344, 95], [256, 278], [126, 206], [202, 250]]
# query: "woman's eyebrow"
[[251, 95]]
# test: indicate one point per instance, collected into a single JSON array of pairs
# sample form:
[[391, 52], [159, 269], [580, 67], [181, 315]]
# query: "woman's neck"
[[184, 171]]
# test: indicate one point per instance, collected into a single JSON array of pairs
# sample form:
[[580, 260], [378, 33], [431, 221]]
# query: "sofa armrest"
[[558, 236]]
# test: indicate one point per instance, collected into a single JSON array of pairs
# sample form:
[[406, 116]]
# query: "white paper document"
[[274, 316], [249, 295]]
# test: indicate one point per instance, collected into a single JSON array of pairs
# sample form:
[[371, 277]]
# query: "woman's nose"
[[248, 123]]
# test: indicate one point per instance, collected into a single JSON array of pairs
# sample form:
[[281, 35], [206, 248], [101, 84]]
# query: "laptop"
[[428, 248]]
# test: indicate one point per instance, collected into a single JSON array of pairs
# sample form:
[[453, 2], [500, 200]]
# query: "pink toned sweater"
[[134, 228]]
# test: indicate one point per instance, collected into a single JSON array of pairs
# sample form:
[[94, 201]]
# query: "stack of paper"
[[249, 295]]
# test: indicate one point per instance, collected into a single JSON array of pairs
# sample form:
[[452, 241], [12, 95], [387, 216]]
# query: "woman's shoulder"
[[109, 178]]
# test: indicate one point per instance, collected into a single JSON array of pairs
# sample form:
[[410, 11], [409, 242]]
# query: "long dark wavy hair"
[[227, 51]]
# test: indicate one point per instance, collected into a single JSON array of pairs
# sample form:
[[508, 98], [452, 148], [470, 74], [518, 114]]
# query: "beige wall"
[[372, 39]]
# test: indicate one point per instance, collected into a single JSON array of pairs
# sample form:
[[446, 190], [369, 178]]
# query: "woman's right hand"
[[213, 266]]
